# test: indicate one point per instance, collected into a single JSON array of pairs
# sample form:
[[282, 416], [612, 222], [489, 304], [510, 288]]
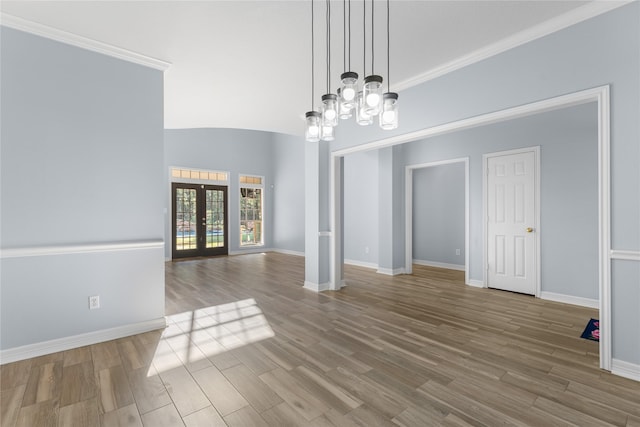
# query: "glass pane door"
[[215, 218], [199, 220]]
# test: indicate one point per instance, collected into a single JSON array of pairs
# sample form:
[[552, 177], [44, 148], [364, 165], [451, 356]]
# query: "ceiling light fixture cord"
[[312, 60], [344, 34], [349, 34], [372, 35], [388, 50], [364, 37], [328, 45]]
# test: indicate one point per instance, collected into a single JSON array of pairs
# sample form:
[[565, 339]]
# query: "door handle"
[[529, 230]]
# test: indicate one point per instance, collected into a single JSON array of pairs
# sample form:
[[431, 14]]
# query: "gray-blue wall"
[[361, 208], [568, 189], [81, 165], [288, 193], [438, 214]]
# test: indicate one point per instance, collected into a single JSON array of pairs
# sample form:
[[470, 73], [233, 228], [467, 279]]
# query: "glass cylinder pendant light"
[[372, 87], [362, 118], [330, 109], [312, 118], [372, 94], [345, 111], [389, 111], [312, 132], [327, 133], [349, 89]]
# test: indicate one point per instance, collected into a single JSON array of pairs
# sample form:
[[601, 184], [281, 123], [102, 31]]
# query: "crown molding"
[[553, 25], [21, 24]]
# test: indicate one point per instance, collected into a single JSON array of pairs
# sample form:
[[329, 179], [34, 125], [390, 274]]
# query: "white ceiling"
[[246, 64]]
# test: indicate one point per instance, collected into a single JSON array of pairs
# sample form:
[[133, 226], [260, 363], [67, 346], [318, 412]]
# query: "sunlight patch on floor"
[[193, 336]]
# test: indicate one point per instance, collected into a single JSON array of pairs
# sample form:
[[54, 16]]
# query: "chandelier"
[[366, 101]]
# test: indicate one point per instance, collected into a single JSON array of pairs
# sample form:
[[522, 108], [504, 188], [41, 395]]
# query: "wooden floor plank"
[[220, 392], [253, 389], [247, 345]]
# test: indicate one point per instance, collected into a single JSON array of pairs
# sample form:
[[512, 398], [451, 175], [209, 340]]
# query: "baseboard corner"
[[316, 287], [475, 283], [391, 272]]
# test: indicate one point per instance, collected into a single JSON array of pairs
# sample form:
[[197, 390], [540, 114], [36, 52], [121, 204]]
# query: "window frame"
[[253, 186]]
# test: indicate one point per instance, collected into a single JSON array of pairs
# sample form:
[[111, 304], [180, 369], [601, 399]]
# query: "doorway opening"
[[600, 95]]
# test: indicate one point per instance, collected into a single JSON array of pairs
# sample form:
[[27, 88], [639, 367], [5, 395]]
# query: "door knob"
[[529, 229]]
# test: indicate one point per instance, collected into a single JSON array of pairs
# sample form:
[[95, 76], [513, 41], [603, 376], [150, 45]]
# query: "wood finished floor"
[[247, 346]]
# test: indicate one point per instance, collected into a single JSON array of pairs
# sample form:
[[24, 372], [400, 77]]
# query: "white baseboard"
[[391, 272], [288, 252], [361, 263], [250, 250], [317, 287], [475, 283], [625, 369], [67, 343], [569, 299], [439, 264]]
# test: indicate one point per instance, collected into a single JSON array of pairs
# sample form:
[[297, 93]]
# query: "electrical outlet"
[[94, 302], [457, 251], [366, 249]]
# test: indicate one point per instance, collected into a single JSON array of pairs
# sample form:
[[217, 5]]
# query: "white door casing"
[[512, 221]]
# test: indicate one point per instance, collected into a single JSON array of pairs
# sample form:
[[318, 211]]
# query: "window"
[[251, 190], [192, 175]]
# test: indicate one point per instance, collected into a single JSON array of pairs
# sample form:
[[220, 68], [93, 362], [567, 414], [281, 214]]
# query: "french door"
[[200, 225]]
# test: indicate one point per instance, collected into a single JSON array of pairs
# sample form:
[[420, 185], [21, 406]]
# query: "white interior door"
[[511, 222]]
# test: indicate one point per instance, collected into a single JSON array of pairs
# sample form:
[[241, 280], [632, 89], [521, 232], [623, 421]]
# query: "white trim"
[[625, 255], [625, 369], [391, 271], [336, 256], [604, 225], [82, 42], [61, 344], [79, 249], [601, 96], [325, 233], [249, 250], [536, 214], [263, 221], [436, 264], [364, 264], [316, 287], [287, 252], [549, 104], [553, 25], [408, 220], [476, 283], [569, 299], [408, 211]]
